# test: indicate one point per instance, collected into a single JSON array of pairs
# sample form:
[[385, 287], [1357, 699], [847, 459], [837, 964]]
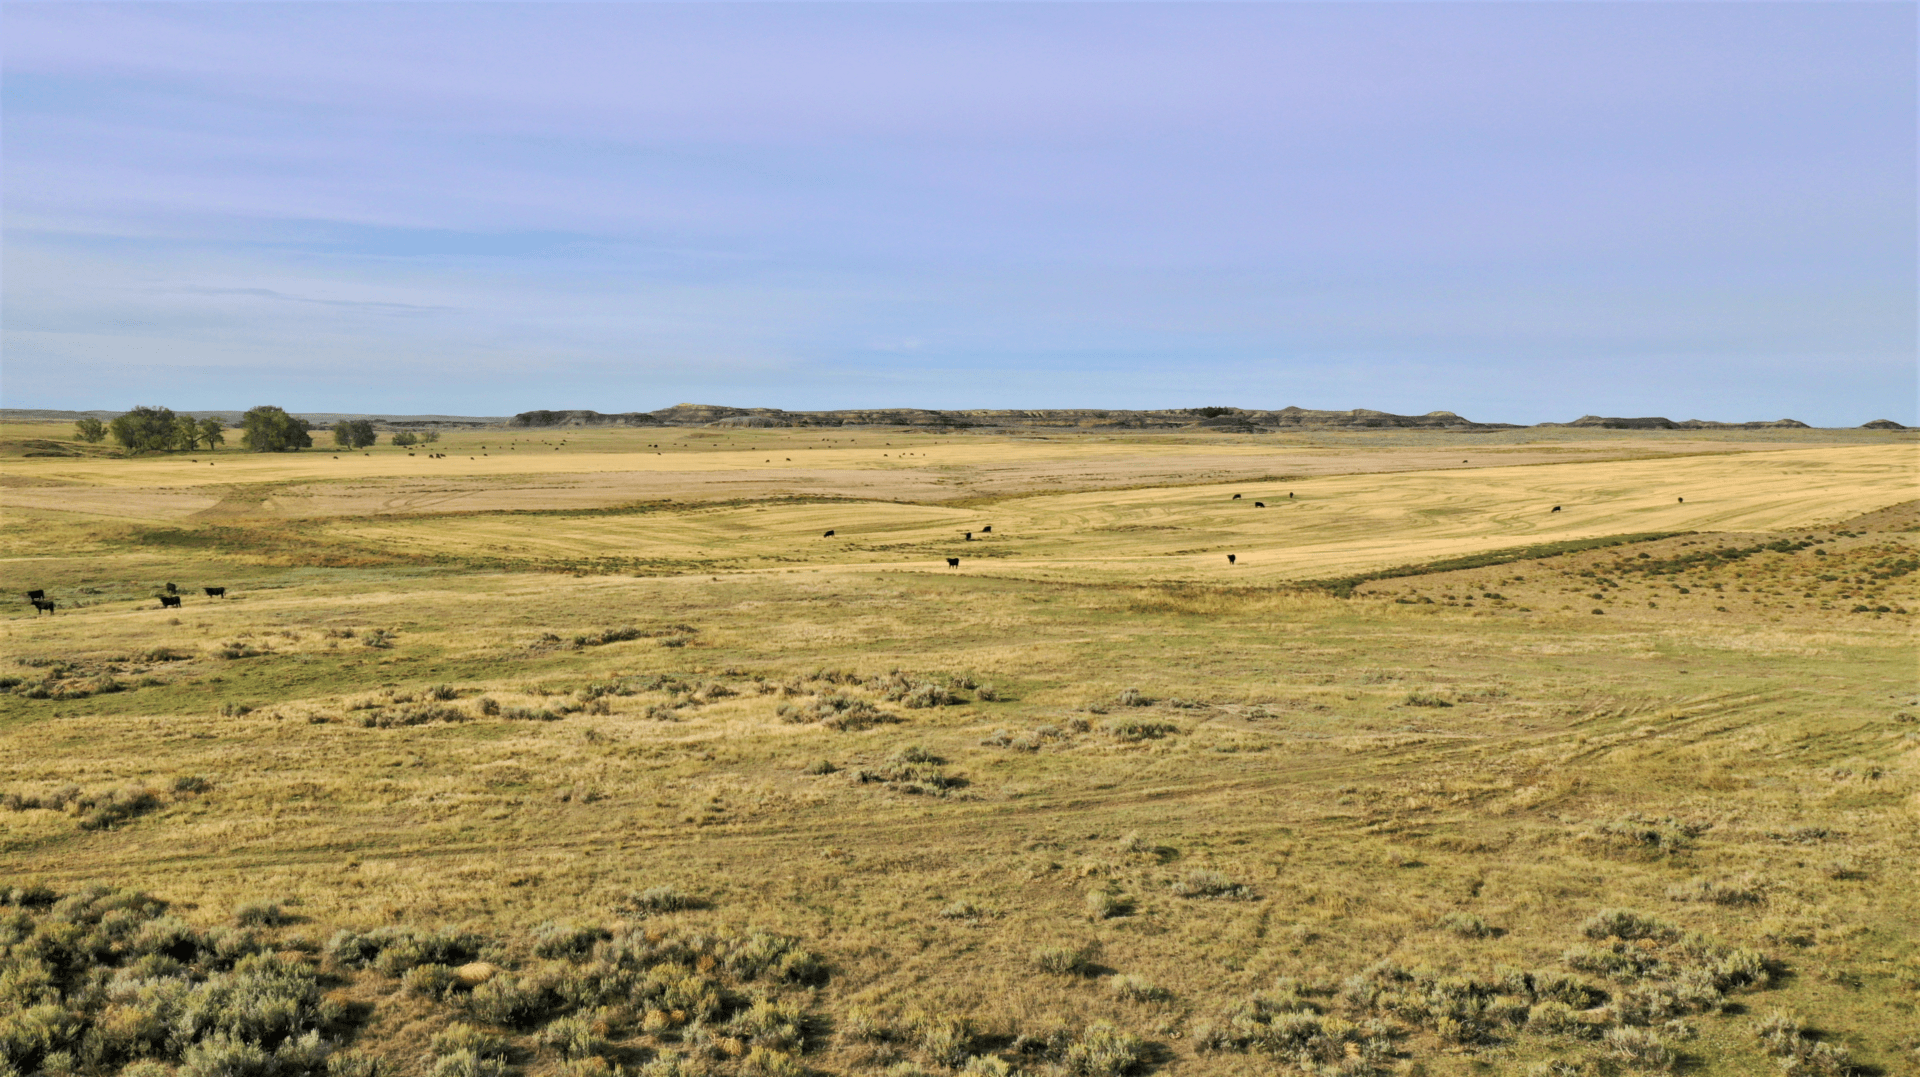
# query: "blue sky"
[[1519, 211]]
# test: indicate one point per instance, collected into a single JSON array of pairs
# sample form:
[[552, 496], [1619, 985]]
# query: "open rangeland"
[[573, 751]]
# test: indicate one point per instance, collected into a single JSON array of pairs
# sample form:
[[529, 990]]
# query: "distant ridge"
[[1689, 424], [1242, 420], [1227, 419], [320, 418], [1077, 418]]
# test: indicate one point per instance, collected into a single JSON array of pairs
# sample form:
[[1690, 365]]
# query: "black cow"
[[171, 590], [1289, 495], [169, 602], [953, 562], [1259, 504], [827, 535], [1556, 508], [969, 535], [215, 592], [41, 604], [1683, 501], [1236, 497], [1229, 559], [987, 530], [35, 596]]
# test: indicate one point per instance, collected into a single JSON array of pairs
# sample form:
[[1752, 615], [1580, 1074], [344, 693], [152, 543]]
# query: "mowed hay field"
[[576, 770]]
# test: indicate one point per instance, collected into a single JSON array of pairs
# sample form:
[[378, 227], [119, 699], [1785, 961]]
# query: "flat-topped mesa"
[[1658, 423], [582, 418]]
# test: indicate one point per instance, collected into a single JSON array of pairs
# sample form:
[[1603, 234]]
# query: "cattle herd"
[[168, 601], [986, 529], [171, 600]]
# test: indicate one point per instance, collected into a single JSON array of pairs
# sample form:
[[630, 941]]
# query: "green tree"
[[90, 430], [271, 429], [403, 439], [429, 437], [186, 432], [353, 433], [210, 432], [144, 429]]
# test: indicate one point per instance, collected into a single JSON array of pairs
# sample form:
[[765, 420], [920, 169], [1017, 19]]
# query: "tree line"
[[262, 429]]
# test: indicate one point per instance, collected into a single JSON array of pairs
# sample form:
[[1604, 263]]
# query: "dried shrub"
[[1466, 925], [658, 899], [1064, 960], [1138, 989], [1206, 883], [1137, 729]]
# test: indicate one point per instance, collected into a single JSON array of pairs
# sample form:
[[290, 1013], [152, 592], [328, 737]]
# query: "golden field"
[[1092, 802]]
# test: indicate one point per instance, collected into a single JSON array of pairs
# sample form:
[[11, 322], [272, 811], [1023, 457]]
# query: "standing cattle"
[[215, 592], [169, 602], [1236, 497], [1259, 504], [969, 535], [987, 530], [953, 562], [827, 535], [1289, 495], [1556, 508], [35, 596], [171, 590], [1683, 501], [42, 605], [1229, 559]]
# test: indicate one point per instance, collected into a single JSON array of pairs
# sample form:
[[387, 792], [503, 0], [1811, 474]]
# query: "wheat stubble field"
[[578, 751]]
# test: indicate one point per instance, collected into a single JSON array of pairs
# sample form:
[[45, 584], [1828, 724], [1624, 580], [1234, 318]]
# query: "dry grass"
[[1293, 821]]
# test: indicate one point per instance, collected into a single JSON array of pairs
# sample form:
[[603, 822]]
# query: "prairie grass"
[[586, 849]]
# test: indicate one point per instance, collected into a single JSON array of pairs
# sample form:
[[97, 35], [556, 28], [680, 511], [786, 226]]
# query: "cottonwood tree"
[[90, 430], [186, 432], [353, 433], [210, 432], [145, 429], [404, 439], [271, 429]]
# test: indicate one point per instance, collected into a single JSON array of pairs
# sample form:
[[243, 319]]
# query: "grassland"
[[624, 739]]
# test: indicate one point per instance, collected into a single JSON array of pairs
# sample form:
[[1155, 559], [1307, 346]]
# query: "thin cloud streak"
[[1508, 211]]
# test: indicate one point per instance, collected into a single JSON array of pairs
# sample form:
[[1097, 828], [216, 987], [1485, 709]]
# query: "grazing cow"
[[40, 604], [969, 535], [953, 562], [1683, 501], [1229, 559], [827, 535], [987, 529], [169, 602], [35, 596], [1236, 497], [1259, 504], [1556, 508], [172, 590], [215, 592]]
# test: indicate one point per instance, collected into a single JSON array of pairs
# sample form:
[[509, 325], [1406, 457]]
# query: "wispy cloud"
[[1508, 211], [357, 304]]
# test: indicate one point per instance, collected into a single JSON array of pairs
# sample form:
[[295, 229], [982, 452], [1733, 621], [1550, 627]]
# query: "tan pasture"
[[1333, 524], [598, 468]]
